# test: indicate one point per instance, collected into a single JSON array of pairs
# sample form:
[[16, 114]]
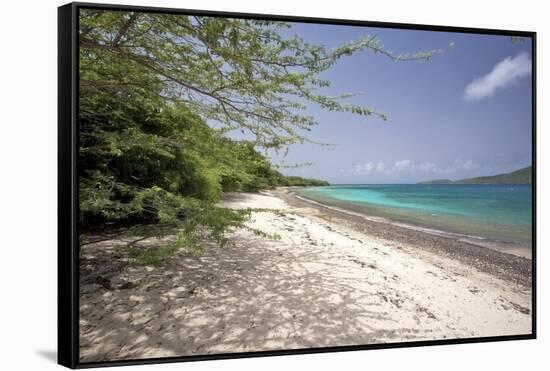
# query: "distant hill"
[[437, 181], [521, 176]]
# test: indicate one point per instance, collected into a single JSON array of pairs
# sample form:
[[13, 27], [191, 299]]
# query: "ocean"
[[486, 213]]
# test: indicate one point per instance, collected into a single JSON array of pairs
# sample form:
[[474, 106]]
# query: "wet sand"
[[515, 266]]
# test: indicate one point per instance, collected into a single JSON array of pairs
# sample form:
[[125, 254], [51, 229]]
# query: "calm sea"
[[485, 212]]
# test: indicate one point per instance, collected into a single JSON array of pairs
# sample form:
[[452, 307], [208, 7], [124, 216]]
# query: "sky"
[[466, 112]]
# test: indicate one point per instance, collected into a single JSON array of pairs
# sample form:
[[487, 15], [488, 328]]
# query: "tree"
[[241, 74], [157, 94]]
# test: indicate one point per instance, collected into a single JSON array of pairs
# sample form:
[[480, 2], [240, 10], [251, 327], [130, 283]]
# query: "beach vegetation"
[[160, 96]]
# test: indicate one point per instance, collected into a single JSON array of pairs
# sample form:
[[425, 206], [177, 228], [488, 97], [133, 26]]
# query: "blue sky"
[[463, 113]]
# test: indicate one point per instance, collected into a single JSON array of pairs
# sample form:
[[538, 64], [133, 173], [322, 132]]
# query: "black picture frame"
[[68, 210]]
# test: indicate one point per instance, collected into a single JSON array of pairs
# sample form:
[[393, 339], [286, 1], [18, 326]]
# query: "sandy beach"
[[332, 279]]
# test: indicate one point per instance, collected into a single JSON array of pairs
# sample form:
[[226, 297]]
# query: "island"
[[521, 176]]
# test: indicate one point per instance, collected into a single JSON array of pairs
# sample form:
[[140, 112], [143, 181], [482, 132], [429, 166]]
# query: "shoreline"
[[330, 280], [502, 246], [509, 265], [522, 249]]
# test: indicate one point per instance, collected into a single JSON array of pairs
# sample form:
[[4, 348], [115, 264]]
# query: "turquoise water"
[[497, 211]]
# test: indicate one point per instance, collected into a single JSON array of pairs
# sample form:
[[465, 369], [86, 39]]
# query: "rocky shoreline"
[[510, 267]]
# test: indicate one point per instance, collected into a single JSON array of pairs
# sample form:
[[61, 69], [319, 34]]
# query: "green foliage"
[[158, 92], [161, 170], [153, 256], [241, 74], [299, 181]]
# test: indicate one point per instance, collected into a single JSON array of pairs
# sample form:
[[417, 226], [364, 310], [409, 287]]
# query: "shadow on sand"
[[257, 296]]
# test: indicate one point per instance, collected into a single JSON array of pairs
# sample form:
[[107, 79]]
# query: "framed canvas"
[[241, 185]]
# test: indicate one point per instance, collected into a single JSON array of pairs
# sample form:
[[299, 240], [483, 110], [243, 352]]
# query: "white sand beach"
[[323, 283]]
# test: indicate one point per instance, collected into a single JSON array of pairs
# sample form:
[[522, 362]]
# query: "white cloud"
[[368, 168], [504, 74], [410, 167], [403, 165], [428, 167], [465, 165]]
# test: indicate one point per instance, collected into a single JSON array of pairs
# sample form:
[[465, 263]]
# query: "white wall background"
[[28, 151]]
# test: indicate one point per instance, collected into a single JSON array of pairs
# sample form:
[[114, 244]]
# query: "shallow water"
[[496, 212]]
